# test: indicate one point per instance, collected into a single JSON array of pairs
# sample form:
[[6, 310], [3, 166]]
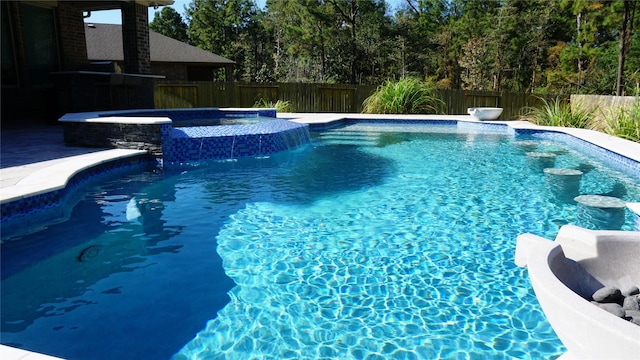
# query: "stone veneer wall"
[[116, 135]]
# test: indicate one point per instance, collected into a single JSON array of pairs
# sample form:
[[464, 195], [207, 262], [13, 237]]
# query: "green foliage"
[[168, 22], [534, 46], [229, 28], [406, 96], [301, 34], [626, 124], [280, 105], [559, 113]]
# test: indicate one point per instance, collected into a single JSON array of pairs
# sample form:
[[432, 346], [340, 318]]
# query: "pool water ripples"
[[400, 248], [418, 267], [394, 298]]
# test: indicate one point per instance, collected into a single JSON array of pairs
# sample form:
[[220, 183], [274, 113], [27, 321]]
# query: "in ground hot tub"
[[566, 273], [178, 136]]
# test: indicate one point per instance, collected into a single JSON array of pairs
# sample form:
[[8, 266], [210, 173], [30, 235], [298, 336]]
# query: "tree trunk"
[[625, 40], [621, 53], [579, 37]]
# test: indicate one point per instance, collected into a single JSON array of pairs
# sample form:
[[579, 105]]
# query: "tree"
[[626, 32], [302, 31], [543, 46], [589, 35], [476, 27], [425, 39], [168, 22], [330, 40], [227, 28]]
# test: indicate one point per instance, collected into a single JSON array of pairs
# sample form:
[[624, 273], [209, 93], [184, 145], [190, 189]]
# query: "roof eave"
[[117, 4]]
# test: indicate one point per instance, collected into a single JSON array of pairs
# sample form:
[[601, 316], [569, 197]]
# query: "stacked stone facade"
[[110, 135]]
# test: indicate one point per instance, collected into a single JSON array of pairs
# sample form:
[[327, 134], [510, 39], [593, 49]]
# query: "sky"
[[113, 16]]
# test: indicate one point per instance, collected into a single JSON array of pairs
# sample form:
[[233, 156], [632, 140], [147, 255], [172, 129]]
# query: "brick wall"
[[23, 104], [171, 71], [135, 33], [73, 46], [15, 15]]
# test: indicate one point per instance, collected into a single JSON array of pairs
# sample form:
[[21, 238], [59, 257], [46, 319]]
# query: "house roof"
[[104, 43]]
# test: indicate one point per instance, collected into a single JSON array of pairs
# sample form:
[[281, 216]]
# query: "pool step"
[[341, 137]]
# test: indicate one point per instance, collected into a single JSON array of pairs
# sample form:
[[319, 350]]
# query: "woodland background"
[[527, 46]]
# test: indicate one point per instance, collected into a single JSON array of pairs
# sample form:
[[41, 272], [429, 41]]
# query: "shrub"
[[280, 105], [406, 96], [558, 113], [626, 124]]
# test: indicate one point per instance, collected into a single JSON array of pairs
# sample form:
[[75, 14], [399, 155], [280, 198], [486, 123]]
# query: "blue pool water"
[[369, 243], [221, 121]]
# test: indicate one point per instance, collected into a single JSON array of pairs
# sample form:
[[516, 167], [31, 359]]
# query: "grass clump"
[[559, 113], [280, 105], [406, 96], [626, 124]]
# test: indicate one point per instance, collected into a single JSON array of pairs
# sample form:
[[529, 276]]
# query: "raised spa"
[[187, 135]]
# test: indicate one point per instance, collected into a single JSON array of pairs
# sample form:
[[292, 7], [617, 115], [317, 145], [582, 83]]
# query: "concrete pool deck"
[[35, 160]]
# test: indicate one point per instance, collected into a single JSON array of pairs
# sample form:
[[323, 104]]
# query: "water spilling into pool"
[[368, 244], [223, 121]]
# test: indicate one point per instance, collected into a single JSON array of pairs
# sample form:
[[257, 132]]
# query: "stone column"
[[541, 160], [135, 38], [137, 56], [599, 212], [562, 184], [73, 44]]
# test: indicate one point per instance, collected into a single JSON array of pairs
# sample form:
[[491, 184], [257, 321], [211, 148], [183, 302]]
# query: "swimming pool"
[[367, 243]]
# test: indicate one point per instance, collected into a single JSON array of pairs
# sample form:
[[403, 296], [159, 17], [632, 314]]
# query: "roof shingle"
[[104, 43]]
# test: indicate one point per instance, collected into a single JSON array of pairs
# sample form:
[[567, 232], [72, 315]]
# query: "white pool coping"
[[33, 179], [52, 175], [39, 178], [618, 145], [115, 116], [11, 353]]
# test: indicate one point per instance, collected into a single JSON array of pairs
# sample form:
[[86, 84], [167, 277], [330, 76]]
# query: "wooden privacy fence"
[[319, 97], [603, 108]]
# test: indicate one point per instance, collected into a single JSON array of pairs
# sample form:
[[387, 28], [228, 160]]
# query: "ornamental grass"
[[405, 96]]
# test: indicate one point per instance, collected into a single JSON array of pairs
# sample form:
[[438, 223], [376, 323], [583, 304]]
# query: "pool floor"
[[367, 244]]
